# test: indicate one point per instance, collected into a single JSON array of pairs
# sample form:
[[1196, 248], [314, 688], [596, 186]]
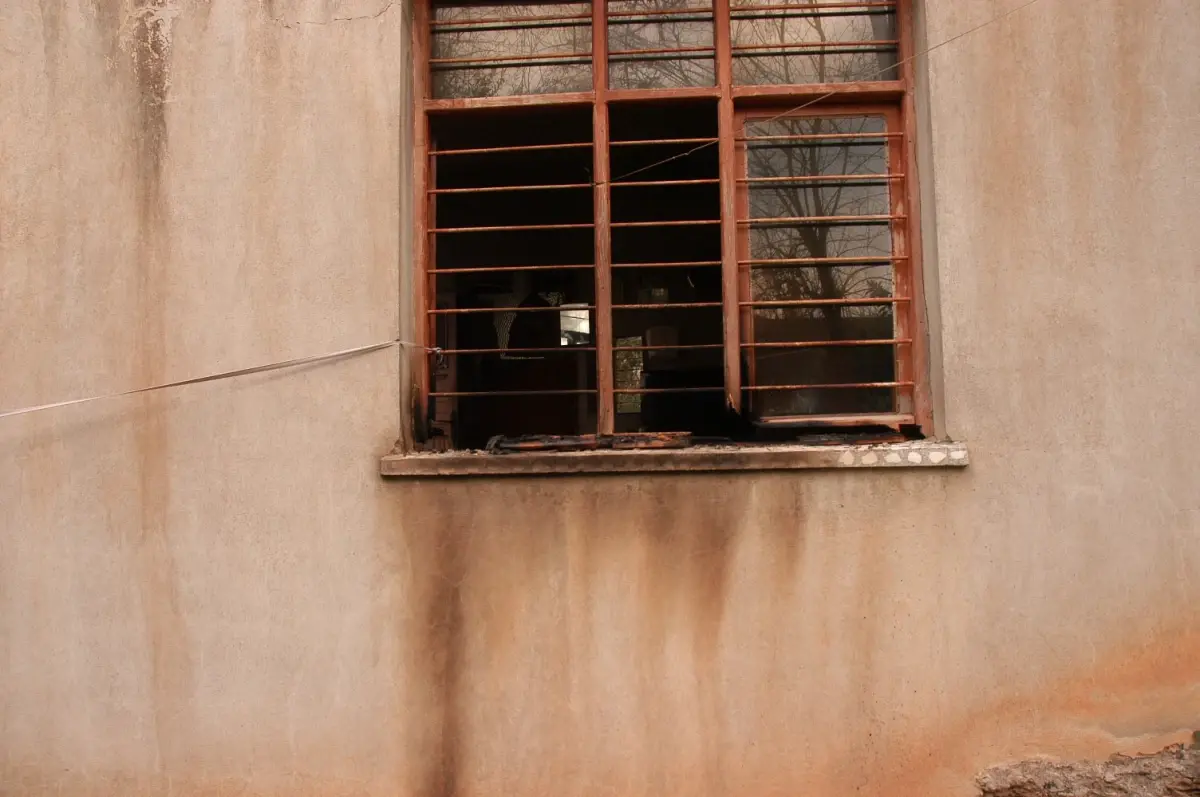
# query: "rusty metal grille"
[[662, 216]]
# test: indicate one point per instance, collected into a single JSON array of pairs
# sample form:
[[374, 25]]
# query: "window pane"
[[860, 363], [490, 51], [660, 44], [840, 171], [820, 246], [659, 74], [811, 44]]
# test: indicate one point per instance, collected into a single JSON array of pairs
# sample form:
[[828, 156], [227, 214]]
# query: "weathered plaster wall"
[[191, 585], [211, 591]]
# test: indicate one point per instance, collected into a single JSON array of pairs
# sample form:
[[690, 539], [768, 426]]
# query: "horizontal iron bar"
[[793, 12], [890, 4], [843, 386], [686, 347], [820, 136], [645, 95], [512, 228], [643, 390], [810, 145], [500, 188], [632, 54], [666, 306], [645, 183], [659, 12], [481, 393], [463, 310], [500, 24], [510, 64], [681, 264], [515, 148], [821, 261], [785, 220], [823, 302], [652, 141], [823, 344], [533, 18], [490, 269], [821, 47], [548, 349], [789, 52], [563, 99], [669, 55], [532, 58], [678, 223], [821, 178], [698, 15]]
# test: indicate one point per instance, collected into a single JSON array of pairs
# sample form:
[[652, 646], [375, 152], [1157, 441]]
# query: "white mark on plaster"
[[892, 458], [847, 458], [937, 456], [870, 459], [958, 455], [915, 458]]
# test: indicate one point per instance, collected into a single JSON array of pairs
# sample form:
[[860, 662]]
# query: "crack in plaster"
[[298, 22]]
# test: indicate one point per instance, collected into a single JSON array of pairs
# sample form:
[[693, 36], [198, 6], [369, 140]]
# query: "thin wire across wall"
[[831, 93], [257, 369]]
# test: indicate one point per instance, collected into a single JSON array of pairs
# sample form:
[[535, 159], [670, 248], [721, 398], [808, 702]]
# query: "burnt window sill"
[[921, 454]]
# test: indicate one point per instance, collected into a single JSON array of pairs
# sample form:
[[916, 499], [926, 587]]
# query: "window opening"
[[644, 217]]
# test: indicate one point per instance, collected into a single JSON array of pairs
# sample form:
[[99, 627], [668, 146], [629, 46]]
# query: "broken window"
[[649, 216]]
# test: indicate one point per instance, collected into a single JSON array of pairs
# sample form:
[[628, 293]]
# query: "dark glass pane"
[[826, 401], [474, 37], [829, 322], [820, 240], [792, 283], [824, 365], [811, 44], [819, 147]]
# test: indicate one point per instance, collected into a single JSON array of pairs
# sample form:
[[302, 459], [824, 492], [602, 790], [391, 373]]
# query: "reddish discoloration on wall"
[[501, 581], [148, 48]]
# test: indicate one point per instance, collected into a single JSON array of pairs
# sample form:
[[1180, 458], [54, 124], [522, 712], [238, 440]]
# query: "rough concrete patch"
[[1174, 772]]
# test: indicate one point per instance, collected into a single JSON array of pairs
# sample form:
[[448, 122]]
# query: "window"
[[639, 217]]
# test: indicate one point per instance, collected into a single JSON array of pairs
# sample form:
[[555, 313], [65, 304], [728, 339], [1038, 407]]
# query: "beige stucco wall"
[[211, 591]]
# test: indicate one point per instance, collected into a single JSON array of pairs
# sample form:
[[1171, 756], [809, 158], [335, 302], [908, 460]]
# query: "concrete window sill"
[[700, 459]]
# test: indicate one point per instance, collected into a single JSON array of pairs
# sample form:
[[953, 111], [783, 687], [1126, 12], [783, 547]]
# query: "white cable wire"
[[258, 369]]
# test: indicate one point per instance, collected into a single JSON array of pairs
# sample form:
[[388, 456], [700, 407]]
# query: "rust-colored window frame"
[[735, 103]]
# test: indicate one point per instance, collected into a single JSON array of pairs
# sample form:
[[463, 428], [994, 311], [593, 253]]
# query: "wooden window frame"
[[735, 103]]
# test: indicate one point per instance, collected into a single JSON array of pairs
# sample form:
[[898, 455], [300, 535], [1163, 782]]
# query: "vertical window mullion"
[[424, 296], [729, 267], [917, 352], [605, 410]]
